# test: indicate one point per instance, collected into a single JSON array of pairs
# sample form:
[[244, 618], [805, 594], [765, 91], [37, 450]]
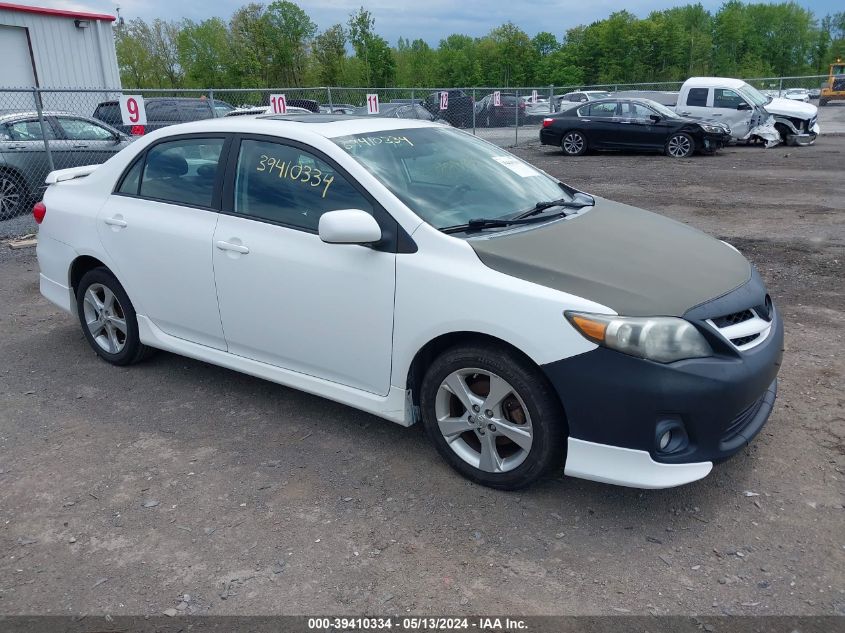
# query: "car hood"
[[791, 107], [635, 262]]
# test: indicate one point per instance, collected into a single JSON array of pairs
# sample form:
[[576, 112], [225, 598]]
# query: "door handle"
[[228, 246], [80, 146], [116, 221], [684, 113], [16, 147]]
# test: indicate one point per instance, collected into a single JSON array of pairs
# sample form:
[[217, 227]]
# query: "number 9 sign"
[[132, 110]]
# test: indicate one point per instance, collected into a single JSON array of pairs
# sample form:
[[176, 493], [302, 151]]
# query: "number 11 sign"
[[372, 104], [132, 110]]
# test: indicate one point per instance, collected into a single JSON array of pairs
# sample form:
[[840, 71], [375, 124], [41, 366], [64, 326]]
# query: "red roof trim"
[[62, 13]]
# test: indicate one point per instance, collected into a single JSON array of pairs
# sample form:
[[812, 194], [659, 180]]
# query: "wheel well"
[[5, 169], [431, 350], [82, 265]]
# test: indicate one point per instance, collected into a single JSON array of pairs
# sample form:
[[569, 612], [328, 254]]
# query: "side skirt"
[[392, 407]]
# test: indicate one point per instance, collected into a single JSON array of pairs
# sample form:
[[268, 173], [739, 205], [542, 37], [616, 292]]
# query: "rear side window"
[[183, 171], [607, 109], [697, 97], [81, 130], [290, 186], [132, 178], [28, 131]]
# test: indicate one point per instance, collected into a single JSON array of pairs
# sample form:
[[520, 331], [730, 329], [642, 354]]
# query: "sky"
[[430, 20]]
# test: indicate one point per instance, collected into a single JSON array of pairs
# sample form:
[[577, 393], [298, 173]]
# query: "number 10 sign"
[[132, 110]]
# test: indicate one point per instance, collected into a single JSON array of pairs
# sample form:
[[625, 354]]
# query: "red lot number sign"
[[497, 98], [444, 100], [372, 104], [132, 110], [278, 104]]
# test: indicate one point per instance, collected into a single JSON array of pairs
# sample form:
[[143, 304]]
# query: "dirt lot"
[[124, 489]]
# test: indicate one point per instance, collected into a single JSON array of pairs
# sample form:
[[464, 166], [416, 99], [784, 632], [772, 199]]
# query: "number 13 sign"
[[132, 110], [372, 104]]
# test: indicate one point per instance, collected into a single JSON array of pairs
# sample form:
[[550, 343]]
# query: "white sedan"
[[416, 272], [798, 94]]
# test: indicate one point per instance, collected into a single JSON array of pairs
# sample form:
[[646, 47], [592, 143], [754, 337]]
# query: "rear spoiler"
[[60, 175]]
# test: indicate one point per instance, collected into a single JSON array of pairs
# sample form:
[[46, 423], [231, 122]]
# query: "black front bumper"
[[719, 403], [711, 142]]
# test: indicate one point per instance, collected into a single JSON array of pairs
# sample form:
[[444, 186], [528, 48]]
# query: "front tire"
[[493, 416], [574, 143], [680, 145], [108, 318]]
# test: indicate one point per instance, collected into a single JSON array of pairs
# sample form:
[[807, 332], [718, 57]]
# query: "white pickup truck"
[[744, 109]]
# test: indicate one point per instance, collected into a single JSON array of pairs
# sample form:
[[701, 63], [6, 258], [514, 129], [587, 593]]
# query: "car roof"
[[326, 125], [714, 82], [6, 115]]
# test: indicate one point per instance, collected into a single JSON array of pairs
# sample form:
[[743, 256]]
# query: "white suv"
[[413, 271]]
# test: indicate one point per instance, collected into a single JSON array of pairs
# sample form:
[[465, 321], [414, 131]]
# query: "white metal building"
[[56, 48]]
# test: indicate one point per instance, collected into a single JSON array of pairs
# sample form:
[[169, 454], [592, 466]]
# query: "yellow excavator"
[[834, 88]]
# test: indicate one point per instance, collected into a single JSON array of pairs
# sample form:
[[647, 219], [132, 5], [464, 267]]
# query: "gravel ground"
[[124, 489]]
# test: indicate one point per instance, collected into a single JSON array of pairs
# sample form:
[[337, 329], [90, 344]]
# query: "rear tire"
[[493, 416], [108, 319], [14, 196], [574, 143]]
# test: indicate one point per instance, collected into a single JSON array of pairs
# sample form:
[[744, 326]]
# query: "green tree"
[[372, 49], [204, 53], [329, 50], [290, 30]]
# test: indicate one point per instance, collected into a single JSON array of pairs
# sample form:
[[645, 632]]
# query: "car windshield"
[[449, 177], [662, 110], [753, 95]]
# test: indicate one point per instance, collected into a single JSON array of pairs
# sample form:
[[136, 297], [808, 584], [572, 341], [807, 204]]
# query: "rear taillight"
[[137, 130], [547, 122], [39, 211], [522, 105]]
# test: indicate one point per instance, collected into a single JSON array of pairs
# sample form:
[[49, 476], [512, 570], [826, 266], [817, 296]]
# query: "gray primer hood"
[[636, 262]]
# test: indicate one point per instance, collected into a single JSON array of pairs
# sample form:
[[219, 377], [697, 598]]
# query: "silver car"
[[73, 139]]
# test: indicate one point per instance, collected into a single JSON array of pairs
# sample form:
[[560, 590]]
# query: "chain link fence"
[[46, 129]]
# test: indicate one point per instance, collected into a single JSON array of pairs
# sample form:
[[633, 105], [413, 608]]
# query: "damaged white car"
[[748, 112]]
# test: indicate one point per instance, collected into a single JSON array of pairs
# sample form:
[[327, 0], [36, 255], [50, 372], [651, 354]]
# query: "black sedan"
[[636, 124]]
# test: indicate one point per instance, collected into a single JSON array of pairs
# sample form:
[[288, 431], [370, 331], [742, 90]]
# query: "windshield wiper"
[[476, 224], [548, 204]]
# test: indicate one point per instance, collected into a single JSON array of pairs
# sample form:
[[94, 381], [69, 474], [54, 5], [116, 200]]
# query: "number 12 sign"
[[497, 98], [278, 104], [372, 104], [444, 100], [132, 110]]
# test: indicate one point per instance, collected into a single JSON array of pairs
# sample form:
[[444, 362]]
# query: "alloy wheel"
[[10, 197], [484, 420], [105, 318], [680, 146], [573, 143]]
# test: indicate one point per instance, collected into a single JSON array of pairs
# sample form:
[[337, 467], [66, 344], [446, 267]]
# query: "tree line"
[[279, 45]]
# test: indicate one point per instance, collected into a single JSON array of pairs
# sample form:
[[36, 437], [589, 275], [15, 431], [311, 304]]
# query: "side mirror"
[[349, 226], [742, 105], [655, 118]]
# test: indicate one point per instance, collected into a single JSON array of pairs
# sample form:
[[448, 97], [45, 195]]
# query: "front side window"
[[697, 97], [183, 171], [81, 130], [724, 98], [448, 177], [636, 110], [287, 185]]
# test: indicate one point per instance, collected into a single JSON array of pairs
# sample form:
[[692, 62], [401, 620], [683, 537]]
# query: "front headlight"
[[712, 129], [662, 339]]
